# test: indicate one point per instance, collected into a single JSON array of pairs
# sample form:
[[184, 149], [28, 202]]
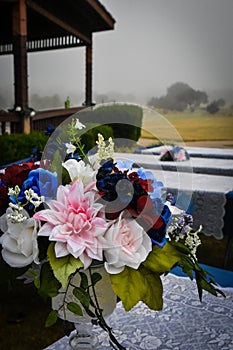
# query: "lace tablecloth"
[[183, 324], [208, 210]]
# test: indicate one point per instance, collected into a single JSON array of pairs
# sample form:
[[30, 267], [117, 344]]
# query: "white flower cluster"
[[180, 229], [192, 240], [33, 198], [14, 192], [105, 151], [16, 214]]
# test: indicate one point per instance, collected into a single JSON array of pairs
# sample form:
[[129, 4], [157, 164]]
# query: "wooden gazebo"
[[38, 25]]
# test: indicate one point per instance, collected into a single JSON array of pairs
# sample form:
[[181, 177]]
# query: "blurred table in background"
[[203, 152]]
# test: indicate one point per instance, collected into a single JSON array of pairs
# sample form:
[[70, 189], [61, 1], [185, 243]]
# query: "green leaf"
[[90, 313], [48, 284], [52, 318], [95, 277], [75, 308], [84, 280], [65, 177], [162, 260], [82, 296], [63, 267], [203, 283], [180, 247], [187, 267], [133, 286], [37, 282]]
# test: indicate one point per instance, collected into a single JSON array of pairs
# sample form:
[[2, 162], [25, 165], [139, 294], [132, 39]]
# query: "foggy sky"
[[155, 43]]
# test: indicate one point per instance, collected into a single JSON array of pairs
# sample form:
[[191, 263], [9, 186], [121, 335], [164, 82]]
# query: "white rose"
[[19, 241], [129, 245], [79, 170]]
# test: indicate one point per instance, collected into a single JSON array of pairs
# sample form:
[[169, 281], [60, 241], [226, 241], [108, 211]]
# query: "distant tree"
[[200, 97], [215, 106], [179, 97]]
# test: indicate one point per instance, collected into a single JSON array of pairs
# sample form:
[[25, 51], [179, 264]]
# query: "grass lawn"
[[187, 126]]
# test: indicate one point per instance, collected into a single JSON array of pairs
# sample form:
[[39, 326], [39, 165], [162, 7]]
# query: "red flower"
[[16, 174], [147, 185], [144, 213], [4, 199]]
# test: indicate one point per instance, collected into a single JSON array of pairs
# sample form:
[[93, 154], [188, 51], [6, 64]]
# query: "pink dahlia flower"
[[75, 222]]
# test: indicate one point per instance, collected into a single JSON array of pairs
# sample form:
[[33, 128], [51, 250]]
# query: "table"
[[201, 165], [208, 192], [204, 152], [183, 324]]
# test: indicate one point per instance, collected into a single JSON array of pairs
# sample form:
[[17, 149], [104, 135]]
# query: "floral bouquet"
[[103, 211]]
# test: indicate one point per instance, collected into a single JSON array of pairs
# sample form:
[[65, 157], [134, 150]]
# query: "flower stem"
[[101, 321]]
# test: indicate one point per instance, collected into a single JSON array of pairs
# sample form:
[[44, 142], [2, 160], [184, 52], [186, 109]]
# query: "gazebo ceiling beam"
[[102, 12], [58, 21]]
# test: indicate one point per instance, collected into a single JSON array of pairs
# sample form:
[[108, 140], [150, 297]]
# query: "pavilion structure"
[[41, 25]]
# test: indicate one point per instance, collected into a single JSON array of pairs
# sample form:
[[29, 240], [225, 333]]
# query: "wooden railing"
[[54, 117], [39, 122]]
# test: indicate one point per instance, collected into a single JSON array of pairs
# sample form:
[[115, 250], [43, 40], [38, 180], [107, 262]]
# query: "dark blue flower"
[[157, 235], [166, 215]]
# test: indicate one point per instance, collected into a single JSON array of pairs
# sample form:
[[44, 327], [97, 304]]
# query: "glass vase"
[[83, 338]]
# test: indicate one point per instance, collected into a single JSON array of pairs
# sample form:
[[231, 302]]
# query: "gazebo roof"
[[39, 25], [53, 24]]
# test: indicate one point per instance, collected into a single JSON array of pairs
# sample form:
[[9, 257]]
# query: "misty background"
[[155, 44]]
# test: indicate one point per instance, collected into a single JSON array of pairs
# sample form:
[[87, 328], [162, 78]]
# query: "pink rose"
[[129, 245]]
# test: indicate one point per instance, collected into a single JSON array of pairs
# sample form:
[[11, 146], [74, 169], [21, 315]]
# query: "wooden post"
[[20, 61], [88, 101]]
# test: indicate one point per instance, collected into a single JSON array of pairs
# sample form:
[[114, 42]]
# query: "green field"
[[187, 126]]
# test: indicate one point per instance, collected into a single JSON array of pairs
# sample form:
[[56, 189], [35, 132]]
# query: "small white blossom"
[[70, 148], [110, 148], [192, 240], [34, 198], [79, 125], [13, 191], [17, 206], [105, 152], [16, 216]]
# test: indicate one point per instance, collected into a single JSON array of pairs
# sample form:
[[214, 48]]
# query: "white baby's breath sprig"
[[192, 240], [14, 192], [105, 151], [34, 198], [16, 215], [16, 206]]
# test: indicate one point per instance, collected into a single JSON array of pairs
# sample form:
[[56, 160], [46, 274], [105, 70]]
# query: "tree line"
[[180, 96]]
